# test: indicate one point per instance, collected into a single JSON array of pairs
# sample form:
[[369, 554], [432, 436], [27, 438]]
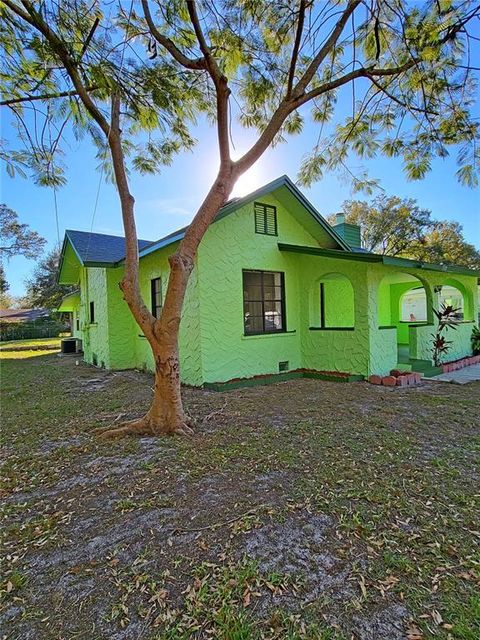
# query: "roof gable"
[[101, 250], [81, 248], [288, 194]]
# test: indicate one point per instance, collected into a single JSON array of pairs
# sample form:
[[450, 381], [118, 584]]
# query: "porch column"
[[382, 342]]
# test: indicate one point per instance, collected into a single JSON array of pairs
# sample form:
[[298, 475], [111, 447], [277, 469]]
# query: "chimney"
[[349, 232]]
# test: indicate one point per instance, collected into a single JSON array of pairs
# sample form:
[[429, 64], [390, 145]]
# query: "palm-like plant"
[[447, 317], [476, 340]]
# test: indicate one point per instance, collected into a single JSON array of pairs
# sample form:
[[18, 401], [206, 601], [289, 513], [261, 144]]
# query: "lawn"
[[31, 344], [305, 509]]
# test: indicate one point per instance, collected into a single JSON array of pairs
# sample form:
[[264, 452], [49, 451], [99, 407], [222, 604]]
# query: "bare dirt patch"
[[306, 509]]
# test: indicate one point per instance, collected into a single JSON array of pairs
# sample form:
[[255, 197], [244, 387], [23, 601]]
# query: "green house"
[[275, 289]]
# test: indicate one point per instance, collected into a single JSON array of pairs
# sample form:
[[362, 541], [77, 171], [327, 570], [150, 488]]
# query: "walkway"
[[461, 376]]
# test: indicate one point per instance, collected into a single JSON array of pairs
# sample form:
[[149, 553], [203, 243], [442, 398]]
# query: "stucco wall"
[[156, 265], [333, 350], [213, 346], [122, 328], [95, 335], [231, 245]]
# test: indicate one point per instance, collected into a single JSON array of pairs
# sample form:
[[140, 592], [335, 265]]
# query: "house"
[[23, 315], [275, 288]]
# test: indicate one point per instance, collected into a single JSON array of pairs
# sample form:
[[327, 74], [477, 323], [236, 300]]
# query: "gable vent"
[[265, 219]]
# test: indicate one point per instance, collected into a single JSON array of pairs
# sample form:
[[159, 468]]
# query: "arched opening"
[[454, 294], [413, 305], [332, 303], [403, 302]]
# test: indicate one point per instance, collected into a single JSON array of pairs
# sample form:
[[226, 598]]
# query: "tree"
[[389, 225], [407, 69], [4, 286], [17, 239], [396, 227], [43, 289], [445, 244], [5, 298]]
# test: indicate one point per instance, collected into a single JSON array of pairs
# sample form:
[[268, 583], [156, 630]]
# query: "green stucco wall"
[[230, 246], [338, 301], [359, 307]]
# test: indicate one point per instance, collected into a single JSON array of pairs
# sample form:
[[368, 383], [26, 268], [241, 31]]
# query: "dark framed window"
[[92, 312], [263, 302], [156, 294], [265, 219], [322, 305], [77, 324]]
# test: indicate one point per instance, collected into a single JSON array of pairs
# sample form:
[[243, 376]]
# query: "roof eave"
[[377, 258]]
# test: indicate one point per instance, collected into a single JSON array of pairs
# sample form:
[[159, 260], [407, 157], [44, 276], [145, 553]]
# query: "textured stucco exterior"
[[362, 326]]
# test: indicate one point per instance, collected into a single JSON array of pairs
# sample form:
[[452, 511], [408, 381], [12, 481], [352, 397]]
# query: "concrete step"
[[426, 368]]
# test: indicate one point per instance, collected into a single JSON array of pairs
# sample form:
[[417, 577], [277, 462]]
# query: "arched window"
[[336, 308], [450, 295], [413, 305]]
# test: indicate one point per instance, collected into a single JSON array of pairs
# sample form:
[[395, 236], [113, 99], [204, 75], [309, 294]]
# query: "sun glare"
[[248, 182]]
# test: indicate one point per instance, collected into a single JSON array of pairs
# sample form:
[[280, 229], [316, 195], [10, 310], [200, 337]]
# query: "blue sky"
[[169, 200]]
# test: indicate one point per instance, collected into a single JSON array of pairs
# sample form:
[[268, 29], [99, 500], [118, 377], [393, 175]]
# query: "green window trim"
[[265, 219], [332, 328]]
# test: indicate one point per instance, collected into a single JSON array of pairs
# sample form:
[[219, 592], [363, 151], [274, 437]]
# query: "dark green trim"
[[330, 253], [273, 378], [387, 327], [260, 210], [322, 305], [360, 256], [268, 333], [420, 324], [332, 328]]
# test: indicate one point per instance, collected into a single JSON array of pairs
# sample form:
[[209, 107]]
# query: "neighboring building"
[[23, 315], [275, 288]]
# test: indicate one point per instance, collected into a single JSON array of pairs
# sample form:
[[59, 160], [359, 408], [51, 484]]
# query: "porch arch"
[[393, 292], [455, 293], [332, 302], [404, 302]]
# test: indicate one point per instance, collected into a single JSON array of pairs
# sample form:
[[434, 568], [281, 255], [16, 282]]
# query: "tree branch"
[[408, 107], [325, 50], [296, 47], [44, 96], [171, 47], [220, 82]]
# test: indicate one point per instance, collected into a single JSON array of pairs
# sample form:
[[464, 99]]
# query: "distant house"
[[275, 288], [23, 315]]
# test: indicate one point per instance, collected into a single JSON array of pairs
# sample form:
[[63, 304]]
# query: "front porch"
[[367, 314]]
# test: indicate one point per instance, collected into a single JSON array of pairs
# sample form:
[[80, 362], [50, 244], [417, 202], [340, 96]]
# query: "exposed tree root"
[[146, 427]]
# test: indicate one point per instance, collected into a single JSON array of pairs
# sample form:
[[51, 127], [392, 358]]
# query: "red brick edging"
[[397, 378], [460, 364]]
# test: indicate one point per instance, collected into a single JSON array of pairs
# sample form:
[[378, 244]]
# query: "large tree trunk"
[[167, 414]]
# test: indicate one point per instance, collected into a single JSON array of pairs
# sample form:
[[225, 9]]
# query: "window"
[[156, 292], [77, 324], [265, 219], [263, 302], [92, 312], [414, 306]]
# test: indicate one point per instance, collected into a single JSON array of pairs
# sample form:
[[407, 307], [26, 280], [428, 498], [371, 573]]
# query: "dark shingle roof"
[[100, 248], [23, 315]]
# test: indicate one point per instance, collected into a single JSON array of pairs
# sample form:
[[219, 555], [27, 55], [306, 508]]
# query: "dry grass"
[[305, 509]]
